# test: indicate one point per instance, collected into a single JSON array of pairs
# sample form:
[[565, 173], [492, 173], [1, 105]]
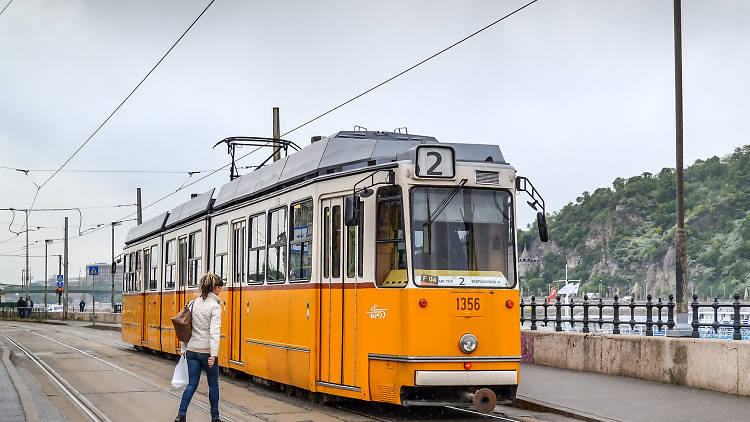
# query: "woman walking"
[[203, 348]]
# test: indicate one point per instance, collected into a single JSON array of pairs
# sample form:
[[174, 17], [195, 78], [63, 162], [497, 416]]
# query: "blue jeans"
[[196, 362]]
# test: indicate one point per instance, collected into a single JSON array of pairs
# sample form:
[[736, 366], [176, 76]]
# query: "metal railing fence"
[[654, 318]]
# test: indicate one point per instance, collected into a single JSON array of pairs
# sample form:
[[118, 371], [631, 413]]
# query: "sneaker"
[[179, 418]]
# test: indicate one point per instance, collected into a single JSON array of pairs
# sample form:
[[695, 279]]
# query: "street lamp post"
[[114, 264], [46, 276]]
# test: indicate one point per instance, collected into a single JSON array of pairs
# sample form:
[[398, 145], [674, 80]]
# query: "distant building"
[[527, 262]]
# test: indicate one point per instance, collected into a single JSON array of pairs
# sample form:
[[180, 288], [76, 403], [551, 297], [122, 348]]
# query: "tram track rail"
[[81, 402], [76, 397]]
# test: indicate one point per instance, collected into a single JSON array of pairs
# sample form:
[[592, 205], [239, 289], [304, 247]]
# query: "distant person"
[[82, 305], [203, 348], [29, 305], [21, 307]]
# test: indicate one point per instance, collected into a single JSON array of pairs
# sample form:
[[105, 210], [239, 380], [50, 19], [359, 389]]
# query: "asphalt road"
[[128, 385]]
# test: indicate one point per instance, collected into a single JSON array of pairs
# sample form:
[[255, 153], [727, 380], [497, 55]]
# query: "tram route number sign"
[[436, 162]]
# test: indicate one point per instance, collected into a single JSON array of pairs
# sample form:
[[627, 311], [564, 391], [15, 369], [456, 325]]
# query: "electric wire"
[[6, 6], [410, 68], [120, 105], [26, 171]]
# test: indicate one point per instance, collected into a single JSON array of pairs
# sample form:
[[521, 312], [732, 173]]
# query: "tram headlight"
[[468, 343]]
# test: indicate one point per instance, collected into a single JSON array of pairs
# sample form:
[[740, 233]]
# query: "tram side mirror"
[[541, 223], [351, 210]]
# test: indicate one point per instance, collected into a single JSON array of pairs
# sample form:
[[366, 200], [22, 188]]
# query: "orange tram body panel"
[[378, 282]]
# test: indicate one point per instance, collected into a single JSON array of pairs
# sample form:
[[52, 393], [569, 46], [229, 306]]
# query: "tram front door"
[[337, 336]]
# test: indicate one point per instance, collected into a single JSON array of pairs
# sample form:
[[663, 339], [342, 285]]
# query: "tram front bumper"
[[468, 378]]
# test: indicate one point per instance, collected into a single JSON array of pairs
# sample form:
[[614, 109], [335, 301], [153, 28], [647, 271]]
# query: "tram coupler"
[[484, 400]]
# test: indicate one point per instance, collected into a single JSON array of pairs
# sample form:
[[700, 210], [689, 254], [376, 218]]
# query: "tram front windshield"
[[462, 237]]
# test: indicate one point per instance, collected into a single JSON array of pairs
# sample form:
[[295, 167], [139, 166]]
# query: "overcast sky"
[[576, 93]]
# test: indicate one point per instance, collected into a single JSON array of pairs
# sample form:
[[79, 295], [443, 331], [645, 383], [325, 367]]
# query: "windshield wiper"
[[430, 219], [445, 202]]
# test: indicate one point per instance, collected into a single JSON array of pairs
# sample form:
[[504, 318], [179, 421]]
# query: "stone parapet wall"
[[711, 364]]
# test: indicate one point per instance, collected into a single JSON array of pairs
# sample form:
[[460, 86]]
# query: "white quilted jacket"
[[206, 325]]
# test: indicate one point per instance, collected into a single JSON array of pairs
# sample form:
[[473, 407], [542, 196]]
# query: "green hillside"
[[624, 235]]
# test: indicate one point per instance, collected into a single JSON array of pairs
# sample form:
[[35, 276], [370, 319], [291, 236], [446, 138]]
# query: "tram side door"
[[332, 299], [143, 273], [182, 274], [235, 295]]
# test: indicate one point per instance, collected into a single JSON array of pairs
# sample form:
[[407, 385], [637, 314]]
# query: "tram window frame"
[[393, 241], [138, 271], [238, 237], [194, 261], [354, 249], [307, 239], [337, 240], [125, 263], [256, 251], [170, 264], [153, 282], [222, 257], [512, 269], [280, 247], [326, 242]]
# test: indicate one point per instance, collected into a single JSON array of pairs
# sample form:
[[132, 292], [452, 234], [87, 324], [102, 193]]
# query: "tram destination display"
[[436, 162]]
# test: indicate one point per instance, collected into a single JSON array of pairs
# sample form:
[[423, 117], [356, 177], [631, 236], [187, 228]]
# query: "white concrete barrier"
[[711, 364]]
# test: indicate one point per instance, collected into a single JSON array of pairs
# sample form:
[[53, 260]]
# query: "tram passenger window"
[[221, 248], [138, 272], [354, 247], [391, 248], [238, 252], [256, 257], [182, 262], [326, 242], [170, 257], [300, 251], [277, 245], [153, 274], [125, 273], [195, 249], [361, 240], [336, 242]]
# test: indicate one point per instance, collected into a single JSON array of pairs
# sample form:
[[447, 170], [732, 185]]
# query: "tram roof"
[[342, 151]]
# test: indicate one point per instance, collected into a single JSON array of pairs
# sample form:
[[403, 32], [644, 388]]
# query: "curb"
[[27, 403], [527, 403]]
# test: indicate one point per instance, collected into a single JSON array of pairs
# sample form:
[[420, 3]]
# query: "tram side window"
[[170, 258], [256, 257], [336, 242], [354, 251], [221, 247], [152, 284], [138, 272], [277, 245], [182, 262], [125, 273], [195, 249], [326, 242], [391, 248], [300, 244]]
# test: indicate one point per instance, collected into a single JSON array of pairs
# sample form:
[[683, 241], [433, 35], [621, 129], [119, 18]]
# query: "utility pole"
[[26, 281], [114, 265], [46, 276], [138, 210], [276, 135], [65, 273], [682, 328]]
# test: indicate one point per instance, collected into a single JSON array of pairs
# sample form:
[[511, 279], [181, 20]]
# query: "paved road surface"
[[128, 385]]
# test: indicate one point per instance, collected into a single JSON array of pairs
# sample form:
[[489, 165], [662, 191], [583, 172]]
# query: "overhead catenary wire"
[[409, 68], [6, 6]]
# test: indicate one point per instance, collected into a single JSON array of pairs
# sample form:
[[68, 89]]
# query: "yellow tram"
[[379, 266]]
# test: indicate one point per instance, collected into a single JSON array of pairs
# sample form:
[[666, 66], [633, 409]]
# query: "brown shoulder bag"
[[183, 323]]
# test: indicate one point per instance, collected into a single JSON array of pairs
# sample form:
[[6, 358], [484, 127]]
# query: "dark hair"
[[208, 282]]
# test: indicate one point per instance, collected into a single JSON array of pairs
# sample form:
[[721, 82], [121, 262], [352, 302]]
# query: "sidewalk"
[[611, 398]]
